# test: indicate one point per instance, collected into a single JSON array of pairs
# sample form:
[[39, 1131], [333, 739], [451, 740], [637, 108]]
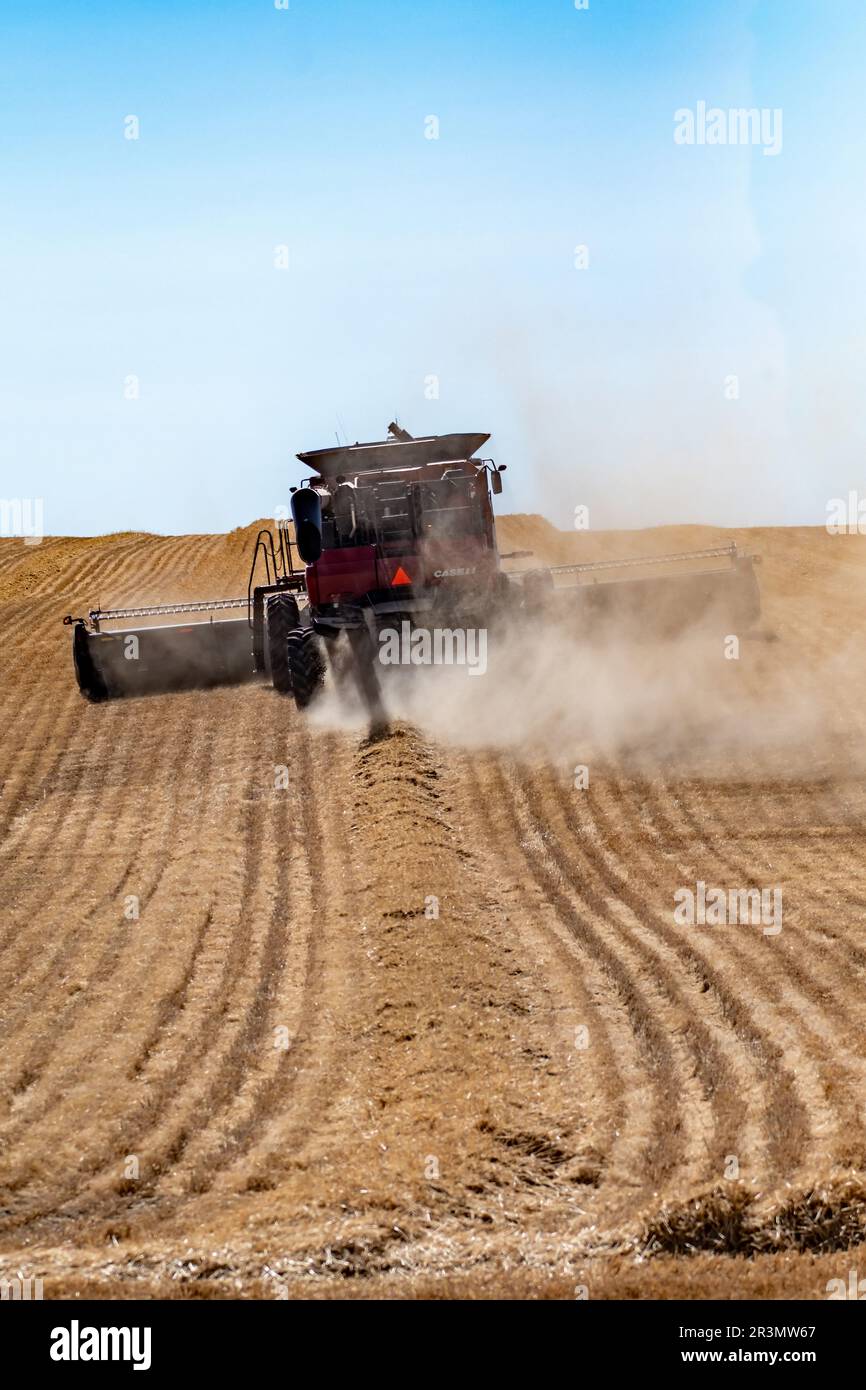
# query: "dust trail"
[[679, 701], [679, 704], [788, 702]]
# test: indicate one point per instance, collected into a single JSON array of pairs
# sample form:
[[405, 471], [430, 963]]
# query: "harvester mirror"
[[495, 481], [307, 516]]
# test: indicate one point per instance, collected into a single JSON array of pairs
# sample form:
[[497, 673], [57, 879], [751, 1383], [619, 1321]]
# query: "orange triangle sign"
[[401, 577]]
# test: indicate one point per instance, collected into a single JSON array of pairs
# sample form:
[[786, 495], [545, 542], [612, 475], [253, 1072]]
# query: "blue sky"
[[411, 258]]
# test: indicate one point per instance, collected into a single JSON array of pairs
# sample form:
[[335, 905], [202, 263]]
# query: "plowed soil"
[[415, 1018]]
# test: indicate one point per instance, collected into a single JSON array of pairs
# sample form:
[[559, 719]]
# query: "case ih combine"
[[400, 530]]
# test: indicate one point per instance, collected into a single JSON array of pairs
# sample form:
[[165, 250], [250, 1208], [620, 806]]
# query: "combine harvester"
[[401, 530]]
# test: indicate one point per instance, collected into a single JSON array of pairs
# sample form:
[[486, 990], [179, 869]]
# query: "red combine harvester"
[[400, 530]]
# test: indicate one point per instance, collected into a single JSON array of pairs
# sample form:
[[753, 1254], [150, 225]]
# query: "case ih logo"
[[447, 574]]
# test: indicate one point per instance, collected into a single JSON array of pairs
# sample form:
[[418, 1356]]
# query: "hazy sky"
[[411, 258]]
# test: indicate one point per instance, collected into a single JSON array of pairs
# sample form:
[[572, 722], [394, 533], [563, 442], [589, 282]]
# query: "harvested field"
[[423, 1022]]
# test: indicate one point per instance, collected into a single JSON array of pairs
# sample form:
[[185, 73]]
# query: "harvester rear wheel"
[[365, 671], [537, 591], [307, 665], [282, 618], [90, 680]]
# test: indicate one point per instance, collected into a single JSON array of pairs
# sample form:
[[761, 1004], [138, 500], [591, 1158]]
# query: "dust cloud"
[[788, 703]]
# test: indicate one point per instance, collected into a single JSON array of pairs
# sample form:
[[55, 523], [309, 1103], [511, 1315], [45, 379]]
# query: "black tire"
[[307, 665], [537, 591], [282, 618], [90, 681], [365, 672], [335, 646], [748, 596]]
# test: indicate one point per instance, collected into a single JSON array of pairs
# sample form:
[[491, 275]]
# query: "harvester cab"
[[387, 528]]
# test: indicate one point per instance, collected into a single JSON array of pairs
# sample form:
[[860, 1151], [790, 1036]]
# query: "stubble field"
[[422, 1022]]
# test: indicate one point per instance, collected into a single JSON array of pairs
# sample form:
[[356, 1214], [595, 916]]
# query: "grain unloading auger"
[[396, 531]]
